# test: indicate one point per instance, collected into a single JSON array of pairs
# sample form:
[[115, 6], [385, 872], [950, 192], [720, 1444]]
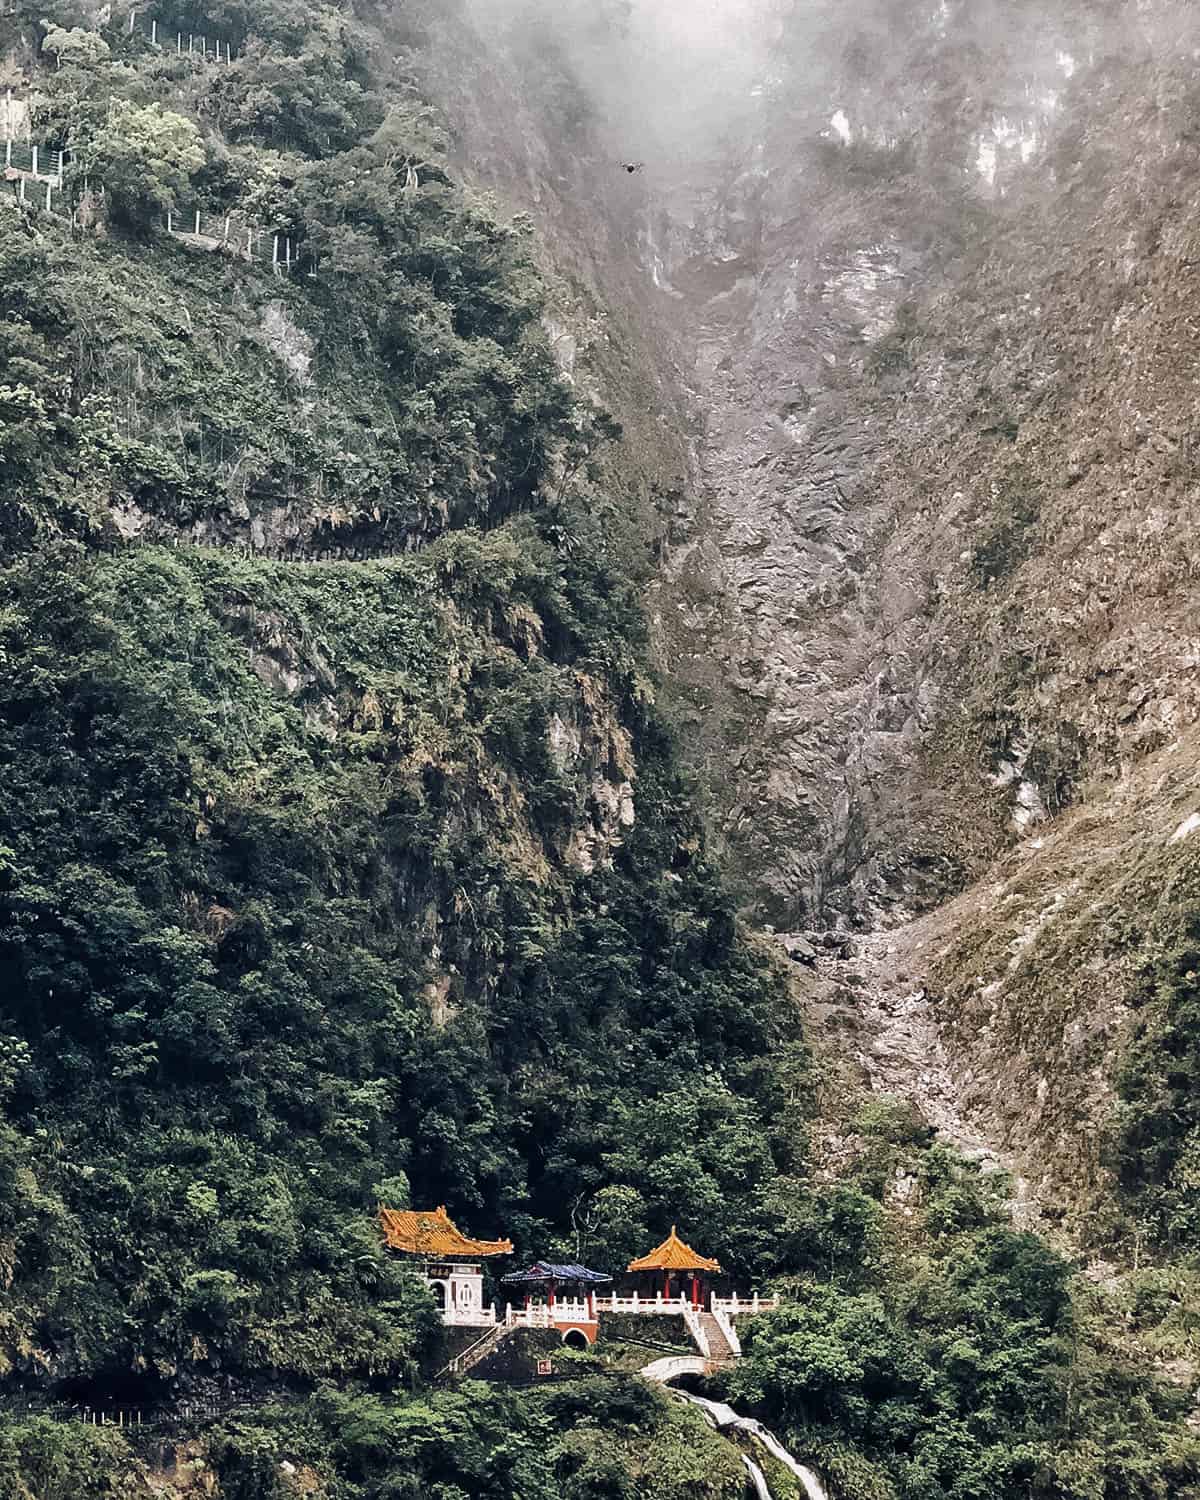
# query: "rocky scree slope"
[[904, 304]]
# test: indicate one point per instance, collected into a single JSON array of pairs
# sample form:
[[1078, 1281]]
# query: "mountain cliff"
[[499, 506], [916, 286]]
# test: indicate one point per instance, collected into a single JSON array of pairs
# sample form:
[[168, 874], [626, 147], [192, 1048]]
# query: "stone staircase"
[[477, 1351], [711, 1336], [719, 1347]]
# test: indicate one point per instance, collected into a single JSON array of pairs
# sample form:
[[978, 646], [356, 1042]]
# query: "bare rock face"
[[904, 342], [883, 295]]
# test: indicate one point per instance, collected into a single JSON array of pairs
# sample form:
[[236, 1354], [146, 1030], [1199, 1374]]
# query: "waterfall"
[[723, 1417], [813, 1487], [758, 1479]]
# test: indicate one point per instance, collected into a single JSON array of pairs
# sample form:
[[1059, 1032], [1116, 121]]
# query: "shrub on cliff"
[[145, 157]]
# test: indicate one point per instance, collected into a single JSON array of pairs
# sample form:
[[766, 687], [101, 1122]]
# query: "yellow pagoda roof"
[[432, 1233], [674, 1255]]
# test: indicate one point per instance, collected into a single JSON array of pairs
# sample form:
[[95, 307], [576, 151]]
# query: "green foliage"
[[213, 940], [300, 82], [1159, 1141], [145, 157], [327, 882], [456, 415], [897, 1122], [963, 1361], [835, 1230], [962, 1375], [593, 1438], [75, 47], [956, 1197], [46, 1460]]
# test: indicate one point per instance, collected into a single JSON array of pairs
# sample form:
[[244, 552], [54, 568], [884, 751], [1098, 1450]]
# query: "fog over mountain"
[[598, 685]]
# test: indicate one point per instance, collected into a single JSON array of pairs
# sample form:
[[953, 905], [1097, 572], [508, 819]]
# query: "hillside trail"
[[899, 1048]]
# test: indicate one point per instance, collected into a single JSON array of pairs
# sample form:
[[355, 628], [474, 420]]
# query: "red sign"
[[545, 1367]]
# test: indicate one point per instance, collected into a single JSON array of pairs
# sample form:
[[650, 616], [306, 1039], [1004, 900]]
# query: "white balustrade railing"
[[697, 1331], [542, 1315], [736, 1307], [725, 1323], [581, 1310], [669, 1306], [528, 1317], [469, 1317], [571, 1310]]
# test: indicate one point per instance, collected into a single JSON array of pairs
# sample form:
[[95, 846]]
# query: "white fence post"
[[35, 164], [197, 221], [154, 32]]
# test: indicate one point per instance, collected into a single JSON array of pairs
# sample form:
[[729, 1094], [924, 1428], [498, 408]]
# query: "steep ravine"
[[904, 354], [879, 277]]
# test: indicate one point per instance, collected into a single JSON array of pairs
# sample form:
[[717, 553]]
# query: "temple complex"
[[450, 1261], [676, 1265], [673, 1280]]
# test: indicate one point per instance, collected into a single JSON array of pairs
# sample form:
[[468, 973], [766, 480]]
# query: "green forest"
[[346, 857]]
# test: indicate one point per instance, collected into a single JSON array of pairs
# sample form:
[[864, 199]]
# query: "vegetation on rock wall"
[[344, 856], [965, 1363], [261, 814], [325, 882], [1159, 1145]]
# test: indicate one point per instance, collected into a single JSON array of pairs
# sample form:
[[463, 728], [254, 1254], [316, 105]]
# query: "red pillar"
[[551, 1296], [666, 1286], [591, 1302], [695, 1290]]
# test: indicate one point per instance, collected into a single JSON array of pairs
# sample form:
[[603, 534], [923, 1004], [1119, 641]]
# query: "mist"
[[666, 80], [971, 84]]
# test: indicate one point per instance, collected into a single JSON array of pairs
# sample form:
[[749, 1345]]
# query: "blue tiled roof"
[[544, 1270]]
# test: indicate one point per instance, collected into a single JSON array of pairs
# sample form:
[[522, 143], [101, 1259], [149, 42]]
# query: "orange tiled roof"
[[422, 1232], [674, 1255]]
